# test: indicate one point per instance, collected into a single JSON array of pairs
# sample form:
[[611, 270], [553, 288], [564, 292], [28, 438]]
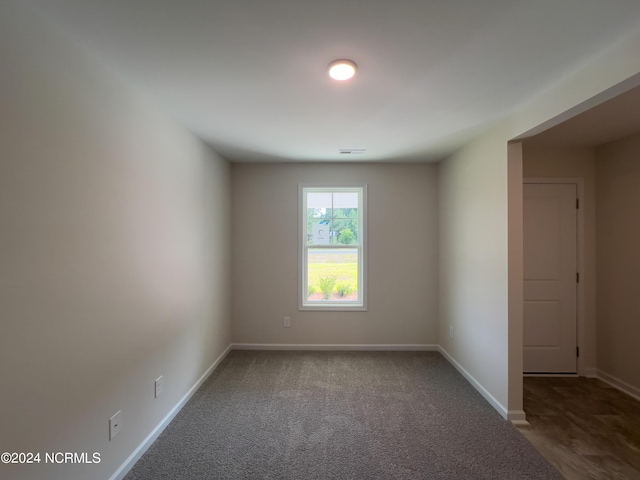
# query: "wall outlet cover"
[[159, 386], [115, 424]]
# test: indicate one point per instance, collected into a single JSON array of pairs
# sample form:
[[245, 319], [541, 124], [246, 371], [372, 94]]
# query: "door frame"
[[580, 303]]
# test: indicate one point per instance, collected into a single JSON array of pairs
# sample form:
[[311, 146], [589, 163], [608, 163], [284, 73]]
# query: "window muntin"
[[332, 248]]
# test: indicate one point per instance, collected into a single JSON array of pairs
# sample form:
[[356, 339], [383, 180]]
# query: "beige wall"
[[544, 161], [114, 252], [402, 255], [473, 261], [475, 294], [618, 264]]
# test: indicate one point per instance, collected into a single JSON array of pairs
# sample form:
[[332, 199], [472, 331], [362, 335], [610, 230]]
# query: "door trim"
[[580, 303]]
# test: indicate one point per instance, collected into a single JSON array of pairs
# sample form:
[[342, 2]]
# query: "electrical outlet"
[[159, 386], [287, 322], [450, 331], [115, 424]]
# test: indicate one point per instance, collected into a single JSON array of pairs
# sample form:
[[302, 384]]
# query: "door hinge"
[[577, 351], [577, 203], [577, 277]]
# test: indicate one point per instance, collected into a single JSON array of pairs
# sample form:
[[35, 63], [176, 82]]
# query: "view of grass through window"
[[333, 274]]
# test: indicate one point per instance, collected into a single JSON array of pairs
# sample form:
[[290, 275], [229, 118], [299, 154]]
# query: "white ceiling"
[[249, 76]]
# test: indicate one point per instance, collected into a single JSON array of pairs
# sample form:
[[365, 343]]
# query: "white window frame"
[[303, 302]]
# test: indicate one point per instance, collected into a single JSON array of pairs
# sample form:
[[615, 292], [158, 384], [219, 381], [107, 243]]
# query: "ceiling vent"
[[352, 151]]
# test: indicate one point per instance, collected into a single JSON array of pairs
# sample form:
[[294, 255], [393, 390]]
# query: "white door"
[[550, 278]]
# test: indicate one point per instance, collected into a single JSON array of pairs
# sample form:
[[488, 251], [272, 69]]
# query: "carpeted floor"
[[339, 415]]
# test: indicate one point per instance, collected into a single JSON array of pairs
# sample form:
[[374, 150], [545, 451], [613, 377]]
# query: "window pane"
[[332, 275], [345, 213], [345, 227], [319, 218], [319, 200], [319, 213], [345, 200]]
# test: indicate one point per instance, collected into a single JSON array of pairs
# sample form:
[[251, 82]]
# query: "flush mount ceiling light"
[[342, 69], [352, 151]]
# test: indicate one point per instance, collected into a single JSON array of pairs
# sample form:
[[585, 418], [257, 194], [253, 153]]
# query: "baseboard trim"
[[518, 418], [477, 385], [155, 433], [335, 347], [619, 384], [590, 372]]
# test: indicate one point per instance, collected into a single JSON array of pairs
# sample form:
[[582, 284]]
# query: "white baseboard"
[[518, 418], [502, 410], [619, 384], [590, 372], [155, 433], [334, 347]]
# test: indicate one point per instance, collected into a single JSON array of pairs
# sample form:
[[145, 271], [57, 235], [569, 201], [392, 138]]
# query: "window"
[[332, 248]]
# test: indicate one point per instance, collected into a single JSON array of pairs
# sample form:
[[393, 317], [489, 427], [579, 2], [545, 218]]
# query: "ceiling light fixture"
[[342, 69]]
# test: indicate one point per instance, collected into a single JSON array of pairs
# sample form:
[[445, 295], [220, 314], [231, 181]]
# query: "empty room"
[[316, 240]]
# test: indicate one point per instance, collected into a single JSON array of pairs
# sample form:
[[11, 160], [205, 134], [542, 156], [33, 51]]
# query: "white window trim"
[[302, 249]]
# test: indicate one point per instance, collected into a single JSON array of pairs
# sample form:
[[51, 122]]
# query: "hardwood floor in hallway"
[[586, 428]]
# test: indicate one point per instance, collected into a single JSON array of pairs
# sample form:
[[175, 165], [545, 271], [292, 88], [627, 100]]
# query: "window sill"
[[333, 308]]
